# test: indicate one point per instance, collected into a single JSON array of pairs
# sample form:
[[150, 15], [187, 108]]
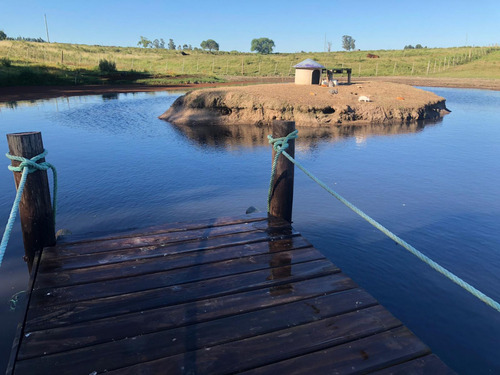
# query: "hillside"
[[29, 63]]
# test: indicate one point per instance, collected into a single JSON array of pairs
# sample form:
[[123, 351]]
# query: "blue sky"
[[293, 25]]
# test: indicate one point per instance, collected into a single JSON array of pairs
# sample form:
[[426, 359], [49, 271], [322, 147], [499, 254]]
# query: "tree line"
[[418, 46], [261, 45], [208, 44], [4, 36]]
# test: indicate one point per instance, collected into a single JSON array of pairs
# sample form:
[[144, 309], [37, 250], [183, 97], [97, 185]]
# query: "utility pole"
[[47, 28]]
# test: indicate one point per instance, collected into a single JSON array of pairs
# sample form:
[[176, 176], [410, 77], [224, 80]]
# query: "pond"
[[435, 185]]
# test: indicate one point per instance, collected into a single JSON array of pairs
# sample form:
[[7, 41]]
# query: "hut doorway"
[[315, 77]]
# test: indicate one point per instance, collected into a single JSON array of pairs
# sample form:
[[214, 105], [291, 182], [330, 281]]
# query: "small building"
[[308, 72]]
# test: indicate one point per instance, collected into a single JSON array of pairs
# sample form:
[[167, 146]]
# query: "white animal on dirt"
[[363, 98]]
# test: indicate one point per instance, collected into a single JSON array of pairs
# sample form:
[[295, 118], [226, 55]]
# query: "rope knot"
[[32, 164], [281, 144], [26, 167]]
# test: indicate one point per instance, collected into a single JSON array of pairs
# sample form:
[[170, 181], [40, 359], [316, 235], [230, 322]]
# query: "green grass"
[[44, 63]]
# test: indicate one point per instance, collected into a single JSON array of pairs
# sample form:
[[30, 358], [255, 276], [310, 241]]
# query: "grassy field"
[[25, 63]]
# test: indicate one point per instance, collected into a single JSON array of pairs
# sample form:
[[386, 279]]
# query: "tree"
[[262, 45], [348, 43], [418, 46], [409, 46], [144, 42], [158, 43], [3, 36], [210, 44], [171, 44]]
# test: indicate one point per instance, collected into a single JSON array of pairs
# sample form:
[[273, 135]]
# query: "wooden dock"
[[232, 295]]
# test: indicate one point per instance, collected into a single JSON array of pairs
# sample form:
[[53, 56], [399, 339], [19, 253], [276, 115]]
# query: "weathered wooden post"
[[35, 208], [281, 200]]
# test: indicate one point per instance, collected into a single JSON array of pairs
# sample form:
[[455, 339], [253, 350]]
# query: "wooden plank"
[[207, 297], [110, 259], [136, 268], [228, 357], [18, 338], [429, 364], [168, 227], [202, 310], [212, 332], [368, 354], [241, 244], [162, 239], [165, 275], [97, 308], [111, 271]]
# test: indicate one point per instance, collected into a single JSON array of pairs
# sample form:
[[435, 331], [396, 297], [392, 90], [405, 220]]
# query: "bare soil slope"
[[313, 106]]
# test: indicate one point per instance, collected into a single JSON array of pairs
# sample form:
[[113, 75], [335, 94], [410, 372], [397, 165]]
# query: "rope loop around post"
[[32, 164], [26, 167], [279, 145]]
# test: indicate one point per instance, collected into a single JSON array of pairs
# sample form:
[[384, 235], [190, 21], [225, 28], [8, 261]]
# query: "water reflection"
[[110, 96], [281, 261], [74, 97], [234, 136]]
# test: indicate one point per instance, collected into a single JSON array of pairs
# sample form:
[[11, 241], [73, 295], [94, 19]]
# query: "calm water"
[[435, 186]]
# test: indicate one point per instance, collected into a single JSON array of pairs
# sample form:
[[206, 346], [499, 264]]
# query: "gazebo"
[[308, 72]]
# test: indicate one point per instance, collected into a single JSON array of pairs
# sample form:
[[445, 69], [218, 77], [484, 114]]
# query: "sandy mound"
[[313, 106]]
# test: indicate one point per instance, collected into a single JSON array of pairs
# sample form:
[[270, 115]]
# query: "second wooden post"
[[281, 200]]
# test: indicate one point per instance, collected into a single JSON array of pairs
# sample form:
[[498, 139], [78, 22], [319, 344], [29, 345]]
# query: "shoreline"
[[365, 102], [31, 93]]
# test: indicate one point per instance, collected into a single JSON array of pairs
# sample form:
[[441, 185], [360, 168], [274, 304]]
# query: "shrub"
[[107, 66], [5, 62]]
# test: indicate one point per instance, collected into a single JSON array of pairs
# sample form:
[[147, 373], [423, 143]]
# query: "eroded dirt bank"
[[312, 106]]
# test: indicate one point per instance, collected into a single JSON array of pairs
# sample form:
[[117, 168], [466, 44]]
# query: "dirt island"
[[312, 106]]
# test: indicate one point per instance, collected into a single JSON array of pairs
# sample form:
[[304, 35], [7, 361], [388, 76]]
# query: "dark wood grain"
[[98, 308], [253, 297], [19, 337], [239, 244], [163, 228], [161, 239], [281, 200], [109, 271], [228, 357], [173, 271], [361, 356], [427, 365], [209, 333], [211, 308], [35, 207]]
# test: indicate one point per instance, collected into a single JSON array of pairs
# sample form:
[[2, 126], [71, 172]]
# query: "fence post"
[[281, 201], [35, 208]]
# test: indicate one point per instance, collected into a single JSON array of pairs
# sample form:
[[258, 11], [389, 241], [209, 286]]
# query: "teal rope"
[[457, 280], [14, 300], [27, 166], [279, 145]]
